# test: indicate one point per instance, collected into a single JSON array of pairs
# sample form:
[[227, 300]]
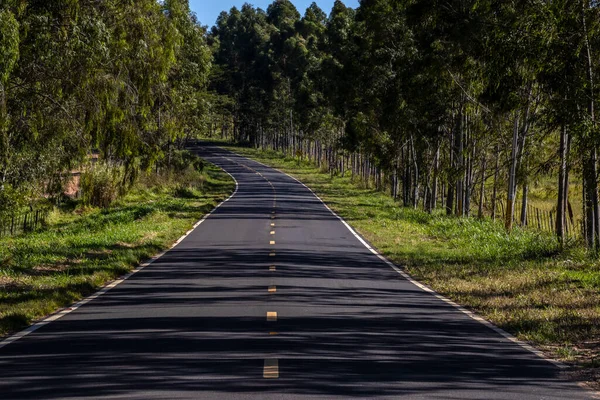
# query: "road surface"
[[272, 297]]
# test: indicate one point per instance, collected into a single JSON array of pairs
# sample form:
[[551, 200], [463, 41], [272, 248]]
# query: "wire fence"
[[24, 222]]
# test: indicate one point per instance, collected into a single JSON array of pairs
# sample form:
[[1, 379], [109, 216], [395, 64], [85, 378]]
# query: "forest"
[[462, 105], [458, 104]]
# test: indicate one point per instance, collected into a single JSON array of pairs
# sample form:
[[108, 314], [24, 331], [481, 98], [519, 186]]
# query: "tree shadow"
[[193, 323]]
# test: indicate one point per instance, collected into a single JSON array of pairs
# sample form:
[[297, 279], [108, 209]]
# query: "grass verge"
[[84, 248], [521, 281]]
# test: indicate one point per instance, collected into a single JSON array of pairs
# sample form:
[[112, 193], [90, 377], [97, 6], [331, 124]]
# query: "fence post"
[[544, 219]]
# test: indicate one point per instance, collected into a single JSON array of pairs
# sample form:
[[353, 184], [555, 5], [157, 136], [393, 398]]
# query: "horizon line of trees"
[[449, 103]]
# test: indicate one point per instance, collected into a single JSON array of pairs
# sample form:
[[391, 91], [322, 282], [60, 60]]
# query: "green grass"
[[84, 248], [520, 281]]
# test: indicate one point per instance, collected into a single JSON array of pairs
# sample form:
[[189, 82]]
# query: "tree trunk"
[[591, 200], [469, 176], [4, 140], [459, 165], [512, 177], [416, 174], [495, 190], [524, 204], [590, 173], [450, 195], [481, 190], [562, 172], [434, 186]]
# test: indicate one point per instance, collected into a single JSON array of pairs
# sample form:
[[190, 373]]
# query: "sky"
[[209, 10]]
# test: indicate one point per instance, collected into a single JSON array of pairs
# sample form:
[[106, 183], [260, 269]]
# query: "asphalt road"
[[198, 323]]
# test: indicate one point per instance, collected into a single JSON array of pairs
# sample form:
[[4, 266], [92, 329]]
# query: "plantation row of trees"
[[127, 78], [442, 102]]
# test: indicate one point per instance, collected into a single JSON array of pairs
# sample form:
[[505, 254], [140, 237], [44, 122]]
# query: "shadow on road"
[[192, 325]]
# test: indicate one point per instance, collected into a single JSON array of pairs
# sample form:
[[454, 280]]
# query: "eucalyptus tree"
[[41, 124], [569, 75], [309, 83], [243, 64], [444, 93], [382, 118], [340, 80], [284, 71], [185, 91], [587, 127], [9, 48], [517, 32], [85, 74]]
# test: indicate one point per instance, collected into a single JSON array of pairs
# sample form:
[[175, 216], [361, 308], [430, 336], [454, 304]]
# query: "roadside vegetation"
[[522, 281], [85, 246], [97, 100]]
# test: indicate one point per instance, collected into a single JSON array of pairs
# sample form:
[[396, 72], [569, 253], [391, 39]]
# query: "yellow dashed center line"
[[271, 315], [271, 369]]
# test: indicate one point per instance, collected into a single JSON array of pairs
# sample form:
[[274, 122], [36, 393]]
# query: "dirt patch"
[[98, 254], [6, 281], [146, 238], [588, 378], [8, 284], [46, 269]]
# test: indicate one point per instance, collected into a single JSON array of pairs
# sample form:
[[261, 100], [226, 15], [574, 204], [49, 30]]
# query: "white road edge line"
[[61, 313], [425, 288]]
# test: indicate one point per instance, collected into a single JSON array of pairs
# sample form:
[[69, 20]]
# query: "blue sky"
[[209, 10]]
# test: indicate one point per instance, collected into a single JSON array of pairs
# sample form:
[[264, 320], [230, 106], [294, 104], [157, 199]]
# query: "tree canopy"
[[126, 78]]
